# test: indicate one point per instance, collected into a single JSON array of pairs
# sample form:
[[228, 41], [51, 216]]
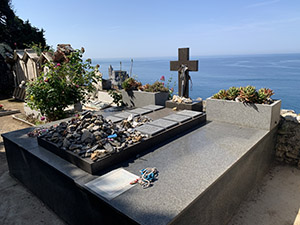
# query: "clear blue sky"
[[140, 28]]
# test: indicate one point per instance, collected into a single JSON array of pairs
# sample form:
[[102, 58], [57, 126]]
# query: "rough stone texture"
[[259, 116], [142, 98], [288, 139]]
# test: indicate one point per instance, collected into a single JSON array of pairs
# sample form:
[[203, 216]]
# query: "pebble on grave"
[[92, 136]]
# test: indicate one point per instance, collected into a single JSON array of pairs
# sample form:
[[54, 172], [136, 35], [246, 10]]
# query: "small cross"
[[183, 65]]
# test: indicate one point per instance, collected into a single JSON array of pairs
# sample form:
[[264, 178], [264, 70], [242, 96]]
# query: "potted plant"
[[245, 106], [137, 95]]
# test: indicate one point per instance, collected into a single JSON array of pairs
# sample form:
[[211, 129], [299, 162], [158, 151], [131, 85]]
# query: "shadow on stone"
[[252, 105]]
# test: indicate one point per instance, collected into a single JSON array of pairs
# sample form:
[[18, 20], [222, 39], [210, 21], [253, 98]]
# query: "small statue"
[[184, 77]]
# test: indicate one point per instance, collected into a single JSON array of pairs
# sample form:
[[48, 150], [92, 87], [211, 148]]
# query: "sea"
[[279, 72]]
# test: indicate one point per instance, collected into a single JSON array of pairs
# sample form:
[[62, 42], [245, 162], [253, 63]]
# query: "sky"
[[157, 28]]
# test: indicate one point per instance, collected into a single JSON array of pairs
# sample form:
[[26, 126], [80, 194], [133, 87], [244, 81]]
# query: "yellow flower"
[[31, 97]]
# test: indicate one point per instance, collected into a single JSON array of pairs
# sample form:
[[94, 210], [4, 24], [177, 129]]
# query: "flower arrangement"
[[247, 94], [157, 86], [64, 84], [131, 84]]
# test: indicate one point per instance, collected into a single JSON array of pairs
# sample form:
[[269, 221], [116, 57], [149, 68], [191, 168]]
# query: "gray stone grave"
[[205, 171], [202, 179]]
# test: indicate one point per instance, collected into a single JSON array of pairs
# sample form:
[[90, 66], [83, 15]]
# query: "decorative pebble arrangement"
[[92, 136]]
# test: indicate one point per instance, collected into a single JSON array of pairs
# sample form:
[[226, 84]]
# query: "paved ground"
[[276, 201]]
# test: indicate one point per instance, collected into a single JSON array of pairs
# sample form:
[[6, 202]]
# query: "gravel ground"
[[275, 201], [17, 204]]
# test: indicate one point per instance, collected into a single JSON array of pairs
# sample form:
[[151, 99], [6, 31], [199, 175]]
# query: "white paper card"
[[112, 184]]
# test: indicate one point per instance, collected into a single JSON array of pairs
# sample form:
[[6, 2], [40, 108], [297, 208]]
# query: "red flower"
[[43, 118], [163, 83], [162, 78]]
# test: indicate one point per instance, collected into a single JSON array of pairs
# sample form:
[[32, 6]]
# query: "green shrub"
[[117, 97], [64, 84]]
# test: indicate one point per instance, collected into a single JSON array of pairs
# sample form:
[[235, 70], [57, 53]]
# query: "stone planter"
[[143, 98], [259, 116]]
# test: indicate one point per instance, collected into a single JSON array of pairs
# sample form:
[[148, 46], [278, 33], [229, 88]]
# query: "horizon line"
[[209, 55]]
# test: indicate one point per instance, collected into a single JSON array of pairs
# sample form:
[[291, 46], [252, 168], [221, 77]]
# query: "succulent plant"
[[222, 94], [264, 95], [232, 93], [215, 96], [248, 94]]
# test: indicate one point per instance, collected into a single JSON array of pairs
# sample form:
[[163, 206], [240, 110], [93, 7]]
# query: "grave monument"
[[205, 169], [183, 65]]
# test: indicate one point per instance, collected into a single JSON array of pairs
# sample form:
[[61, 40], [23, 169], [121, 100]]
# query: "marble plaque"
[[125, 115], [150, 130], [190, 113], [153, 107], [114, 119], [112, 184], [140, 111], [177, 118], [163, 123]]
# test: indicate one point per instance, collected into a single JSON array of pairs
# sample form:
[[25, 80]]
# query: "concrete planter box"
[[143, 98], [260, 116]]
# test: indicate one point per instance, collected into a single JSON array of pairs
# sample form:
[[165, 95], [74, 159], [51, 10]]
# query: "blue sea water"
[[280, 72]]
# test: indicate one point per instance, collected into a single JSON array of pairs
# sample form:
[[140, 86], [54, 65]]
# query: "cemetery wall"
[[288, 138]]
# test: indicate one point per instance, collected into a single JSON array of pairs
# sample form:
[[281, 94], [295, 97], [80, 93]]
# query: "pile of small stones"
[[179, 99], [92, 136]]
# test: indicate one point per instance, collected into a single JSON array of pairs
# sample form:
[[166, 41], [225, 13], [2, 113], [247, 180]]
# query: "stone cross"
[[183, 66]]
